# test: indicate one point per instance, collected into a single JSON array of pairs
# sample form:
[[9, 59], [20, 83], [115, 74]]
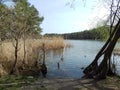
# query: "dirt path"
[[73, 84]]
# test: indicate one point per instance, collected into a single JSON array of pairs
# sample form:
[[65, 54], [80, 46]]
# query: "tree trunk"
[[24, 45], [110, 71], [43, 53], [103, 67], [100, 71], [0, 47], [43, 66], [16, 57]]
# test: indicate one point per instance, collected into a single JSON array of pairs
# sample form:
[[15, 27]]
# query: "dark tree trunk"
[[16, 57], [100, 71], [43, 66], [24, 46], [110, 71], [103, 67]]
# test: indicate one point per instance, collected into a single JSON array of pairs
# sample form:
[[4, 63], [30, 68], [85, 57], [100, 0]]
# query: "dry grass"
[[33, 48], [116, 51], [53, 42]]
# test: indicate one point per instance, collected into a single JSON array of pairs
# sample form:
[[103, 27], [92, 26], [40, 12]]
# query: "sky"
[[61, 17]]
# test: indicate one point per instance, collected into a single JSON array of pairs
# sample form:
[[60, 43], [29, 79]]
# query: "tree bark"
[[24, 46], [100, 71], [16, 57], [103, 67], [43, 66]]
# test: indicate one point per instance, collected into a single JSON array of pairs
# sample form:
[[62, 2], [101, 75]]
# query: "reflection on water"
[[58, 65], [70, 62]]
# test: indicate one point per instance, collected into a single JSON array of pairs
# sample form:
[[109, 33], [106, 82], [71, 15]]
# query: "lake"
[[69, 62]]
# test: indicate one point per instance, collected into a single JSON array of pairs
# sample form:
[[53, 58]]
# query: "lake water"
[[68, 62]]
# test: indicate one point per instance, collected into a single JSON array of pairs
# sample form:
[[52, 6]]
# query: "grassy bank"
[[33, 53], [31, 83], [13, 82]]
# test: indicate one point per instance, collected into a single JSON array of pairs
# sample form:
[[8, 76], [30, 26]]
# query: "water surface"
[[69, 62]]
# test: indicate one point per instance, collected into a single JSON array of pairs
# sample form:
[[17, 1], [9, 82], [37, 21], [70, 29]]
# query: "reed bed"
[[33, 52], [116, 51]]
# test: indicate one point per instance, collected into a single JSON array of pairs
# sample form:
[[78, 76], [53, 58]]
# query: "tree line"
[[98, 33]]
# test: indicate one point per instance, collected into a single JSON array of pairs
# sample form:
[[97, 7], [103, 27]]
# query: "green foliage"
[[101, 33], [98, 33], [14, 82], [23, 18], [4, 21], [30, 17]]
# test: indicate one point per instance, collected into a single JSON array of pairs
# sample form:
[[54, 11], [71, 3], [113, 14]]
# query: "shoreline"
[[111, 83]]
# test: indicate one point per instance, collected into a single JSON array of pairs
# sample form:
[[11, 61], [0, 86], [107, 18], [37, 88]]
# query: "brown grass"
[[116, 51], [33, 48]]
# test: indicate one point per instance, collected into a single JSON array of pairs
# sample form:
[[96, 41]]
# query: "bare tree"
[[100, 71]]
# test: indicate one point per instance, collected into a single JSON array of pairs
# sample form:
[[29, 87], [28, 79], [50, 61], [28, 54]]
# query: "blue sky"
[[60, 18]]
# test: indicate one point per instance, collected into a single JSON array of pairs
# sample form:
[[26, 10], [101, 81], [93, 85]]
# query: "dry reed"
[[33, 48]]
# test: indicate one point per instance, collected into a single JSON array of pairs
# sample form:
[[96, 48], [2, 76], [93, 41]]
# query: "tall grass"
[[33, 52], [53, 42]]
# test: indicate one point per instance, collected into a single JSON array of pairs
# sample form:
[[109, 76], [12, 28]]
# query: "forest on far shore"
[[98, 33]]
